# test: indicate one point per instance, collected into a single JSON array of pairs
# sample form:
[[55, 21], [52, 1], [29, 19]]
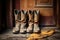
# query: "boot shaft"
[[30, 16], [36, 15], [23, 16], [17, 14]]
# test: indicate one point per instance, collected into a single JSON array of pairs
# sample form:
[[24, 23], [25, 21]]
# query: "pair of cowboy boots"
[[20, 21], [33, 22]]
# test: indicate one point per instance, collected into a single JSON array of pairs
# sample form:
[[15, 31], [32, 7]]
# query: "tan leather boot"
[[36, 20], [30, 21], [17, 22], [23, 21]]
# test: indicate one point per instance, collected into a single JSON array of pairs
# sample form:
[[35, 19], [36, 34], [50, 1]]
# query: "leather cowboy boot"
[[30, 22], [36, 20], [23, 21], [17, 23]]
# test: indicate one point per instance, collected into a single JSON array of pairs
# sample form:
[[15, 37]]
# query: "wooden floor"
[[8, 35]]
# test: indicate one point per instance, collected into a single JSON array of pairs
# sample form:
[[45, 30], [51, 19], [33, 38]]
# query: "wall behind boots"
[[30, 5], [44, 12]]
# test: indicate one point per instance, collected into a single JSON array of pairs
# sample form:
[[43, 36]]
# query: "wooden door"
[[47, 10]]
